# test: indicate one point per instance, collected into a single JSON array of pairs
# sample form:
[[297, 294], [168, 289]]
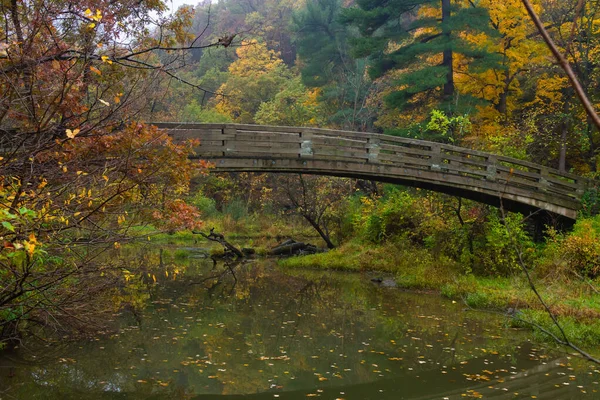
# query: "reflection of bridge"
[[484, 177]]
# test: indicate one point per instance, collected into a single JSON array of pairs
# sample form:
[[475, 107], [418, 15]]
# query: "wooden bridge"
[[489, 178]]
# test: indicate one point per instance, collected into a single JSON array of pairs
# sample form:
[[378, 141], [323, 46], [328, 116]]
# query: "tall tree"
[[326, 63], [254, 78], [425, 40]]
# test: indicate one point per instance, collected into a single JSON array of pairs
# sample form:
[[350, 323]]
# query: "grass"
[[575, 303]]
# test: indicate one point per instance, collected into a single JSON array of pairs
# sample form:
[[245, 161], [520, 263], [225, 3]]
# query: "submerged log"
[[291, 247], [219, 238]]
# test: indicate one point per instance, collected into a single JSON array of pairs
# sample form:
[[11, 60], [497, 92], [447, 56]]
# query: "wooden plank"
[[335, 141], [187, 125], [518, 172], [340, 152], [264, 128], [457, 170], [402, 160], [231, 150], [405, 150], [243, 144], [565, 182], [211, 143], [520, 164], [342, 134], [268, 137], [464, 161], [333, 146], [556, 181]]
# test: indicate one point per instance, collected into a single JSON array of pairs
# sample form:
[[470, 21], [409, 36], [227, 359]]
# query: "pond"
[[266, 333]]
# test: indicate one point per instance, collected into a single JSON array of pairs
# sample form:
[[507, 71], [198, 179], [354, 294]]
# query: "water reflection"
[[253, 331]]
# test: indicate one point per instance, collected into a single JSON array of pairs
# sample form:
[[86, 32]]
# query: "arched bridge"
[[480, 176]]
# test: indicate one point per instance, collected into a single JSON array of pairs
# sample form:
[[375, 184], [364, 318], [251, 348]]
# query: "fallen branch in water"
[[219, 238]]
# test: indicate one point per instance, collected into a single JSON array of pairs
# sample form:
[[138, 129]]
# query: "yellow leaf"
[[92, 25], [31, 248], [88, 13], [95, 70], [154, 278], [64, 168], [106, 59], [72, 133], [117, 100]]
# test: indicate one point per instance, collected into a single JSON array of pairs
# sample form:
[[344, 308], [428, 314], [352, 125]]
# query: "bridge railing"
[[244, 141]]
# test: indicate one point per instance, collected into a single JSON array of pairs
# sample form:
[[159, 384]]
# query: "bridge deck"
[[522, 185]]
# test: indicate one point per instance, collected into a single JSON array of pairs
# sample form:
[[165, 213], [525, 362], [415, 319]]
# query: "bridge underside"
[[494, 193]]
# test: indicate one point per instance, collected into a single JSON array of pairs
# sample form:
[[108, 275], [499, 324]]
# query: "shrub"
[[496, 252], [236, 209], [577, 252], [206, 205]]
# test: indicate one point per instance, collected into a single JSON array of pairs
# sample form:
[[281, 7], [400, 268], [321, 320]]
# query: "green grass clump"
[[412, 267], [585, 332]]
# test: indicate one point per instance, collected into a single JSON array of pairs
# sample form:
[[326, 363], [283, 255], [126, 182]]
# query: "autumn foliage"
[[77, 171]]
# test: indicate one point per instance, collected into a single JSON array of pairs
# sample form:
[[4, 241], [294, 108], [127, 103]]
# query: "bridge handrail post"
[[544, 184], [227, 130], [492, 168], [372, 147], [306, 144], [436, 157]]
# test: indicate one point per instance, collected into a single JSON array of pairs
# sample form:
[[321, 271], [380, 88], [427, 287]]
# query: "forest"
[[86, 178]]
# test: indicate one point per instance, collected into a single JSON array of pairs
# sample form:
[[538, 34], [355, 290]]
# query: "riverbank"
[[576, 303]]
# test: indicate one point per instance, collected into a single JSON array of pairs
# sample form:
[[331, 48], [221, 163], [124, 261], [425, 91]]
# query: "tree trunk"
[[562, 156], [320, 231], [447, 56]]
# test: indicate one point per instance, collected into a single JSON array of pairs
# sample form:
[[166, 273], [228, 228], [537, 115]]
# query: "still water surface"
[[273, 334]]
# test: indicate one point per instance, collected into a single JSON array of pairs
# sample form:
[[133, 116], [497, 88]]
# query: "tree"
[[76, 170], [294, 105], [426, 41], [318, 200], [327, 64], [254, 78]]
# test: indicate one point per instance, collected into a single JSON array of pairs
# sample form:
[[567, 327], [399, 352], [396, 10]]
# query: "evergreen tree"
[[322, 44], [425, 40]]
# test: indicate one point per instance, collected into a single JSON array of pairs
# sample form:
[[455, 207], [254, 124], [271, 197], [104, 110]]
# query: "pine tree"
[[425, 40], [322, 44]]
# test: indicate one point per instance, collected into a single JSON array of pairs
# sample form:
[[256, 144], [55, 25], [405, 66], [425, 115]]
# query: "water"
[[272, 334]]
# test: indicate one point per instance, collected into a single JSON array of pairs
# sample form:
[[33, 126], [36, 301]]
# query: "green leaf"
[[8, 225]]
